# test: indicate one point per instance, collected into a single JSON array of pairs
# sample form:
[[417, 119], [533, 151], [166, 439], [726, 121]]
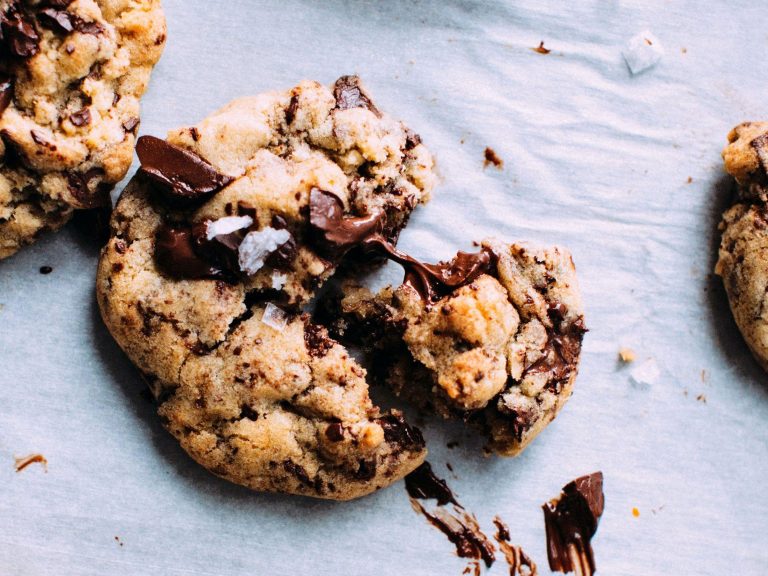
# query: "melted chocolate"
[[175, 254], [398, 431], [6, 92], [349, 93], [460, 527], [515, 556], [334, 232], [561, 352], [180, 173], [423, 484], [571, 521]]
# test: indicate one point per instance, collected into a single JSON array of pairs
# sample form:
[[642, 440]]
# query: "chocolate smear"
[[459, 526], [6, 92], [520, 564], [180, 173], [571, 521], [334, 232], [349, 93], [561, 352], [23, 462], [422, 484]]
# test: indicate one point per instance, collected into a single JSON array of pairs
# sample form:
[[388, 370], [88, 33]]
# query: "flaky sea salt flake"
[[643, 51], [274, 317], [257, 246], [227, 225]]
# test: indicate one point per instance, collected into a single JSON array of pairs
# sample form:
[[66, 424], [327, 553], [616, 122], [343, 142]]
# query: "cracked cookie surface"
[[743, 254], [214, 248], [71, 74], [499, 350]]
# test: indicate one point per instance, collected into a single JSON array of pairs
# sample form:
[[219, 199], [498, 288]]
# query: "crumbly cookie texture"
[[500, 352], [71, 74], [212, 252], [743, 255]]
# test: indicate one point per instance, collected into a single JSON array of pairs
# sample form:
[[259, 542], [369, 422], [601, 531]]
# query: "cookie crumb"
[[627, 355], [541, 49], [117, 539], [46, 269], [701, 398], [24, 461], [274, 317], [491, 158], [690, 180], [635, 512], [643, 51]]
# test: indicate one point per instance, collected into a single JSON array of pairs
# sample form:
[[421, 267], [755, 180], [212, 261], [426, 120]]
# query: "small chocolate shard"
[[60, 21], [180, 173], [81, 117], [349, 93], [176, 256], [571, 521], [422, 484], [334, 232], [6, 92], [492, 159]]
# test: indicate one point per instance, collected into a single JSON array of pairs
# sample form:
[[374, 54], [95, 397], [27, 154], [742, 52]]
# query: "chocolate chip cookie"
[[225, 233], [71, 74], [492, 338], [743, 256]]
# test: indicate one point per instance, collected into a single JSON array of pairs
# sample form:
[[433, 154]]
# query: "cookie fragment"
[[493, 341], [71, 75]]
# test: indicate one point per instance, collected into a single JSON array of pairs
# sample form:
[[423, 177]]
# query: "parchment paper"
[[594, 159]]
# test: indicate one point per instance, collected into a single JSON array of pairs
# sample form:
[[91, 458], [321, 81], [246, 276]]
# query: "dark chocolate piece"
[[492, 159], [17, 32], [180, 173], [6, 92], [81, 117], [175, 254], [571, 521], [332, 230], [398, 431], [349, 93]]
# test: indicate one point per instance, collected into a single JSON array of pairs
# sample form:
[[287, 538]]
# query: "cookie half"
[[492, 338], [226, 231], [71, 74], [743, 254]]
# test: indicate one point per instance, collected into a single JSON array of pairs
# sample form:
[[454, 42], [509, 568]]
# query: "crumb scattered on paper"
[[627, 355], [492, 159], [635, 512], [701, 398], [704, 376], [541, 49], [643, 51], [645, 374], [24, 461], [690, 180], [117, 539]]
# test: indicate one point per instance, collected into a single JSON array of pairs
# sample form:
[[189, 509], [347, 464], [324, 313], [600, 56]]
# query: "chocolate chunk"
[[92, 28], [81, 118], [180, 173], [335, 432], [398, 431], [130, 124], [290, 112], [571, 521], [349, 93], [492, 159], [334, 232], [57, 20], [82, 188], [17, 32], [6, 92], [422, 484], [175, 254]]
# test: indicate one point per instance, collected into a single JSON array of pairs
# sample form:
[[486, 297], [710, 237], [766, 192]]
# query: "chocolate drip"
[[571, 521], [181, 174], [349, 93], [423, 484], [6, 92]]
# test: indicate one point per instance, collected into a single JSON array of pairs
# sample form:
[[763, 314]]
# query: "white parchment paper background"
[[595, 159]]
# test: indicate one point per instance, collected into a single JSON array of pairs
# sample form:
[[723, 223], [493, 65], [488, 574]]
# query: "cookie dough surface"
[[500, 352], [71, 74], [743, 255], [213, 253]]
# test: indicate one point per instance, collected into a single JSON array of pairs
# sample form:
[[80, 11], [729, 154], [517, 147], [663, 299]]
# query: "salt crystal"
[[227, 225], [274, 317], [278, 280], [643, 51], [257, 246], [645, 374]]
